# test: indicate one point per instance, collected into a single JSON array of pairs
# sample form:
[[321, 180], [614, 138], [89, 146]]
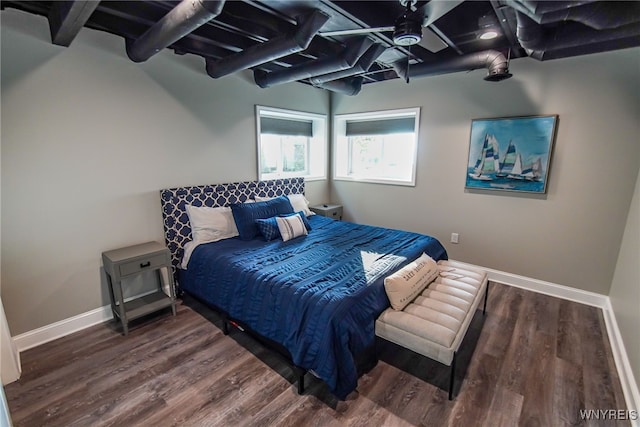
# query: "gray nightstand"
[[328, 210], [128, 262]]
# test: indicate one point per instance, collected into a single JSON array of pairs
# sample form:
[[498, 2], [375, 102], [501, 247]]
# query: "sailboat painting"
[[512, 153]]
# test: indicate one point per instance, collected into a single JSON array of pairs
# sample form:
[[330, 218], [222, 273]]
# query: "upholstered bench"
[[435, 322]]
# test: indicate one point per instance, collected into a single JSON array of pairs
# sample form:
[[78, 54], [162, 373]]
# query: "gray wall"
[[571, 235], [88, 139], [625, 290]]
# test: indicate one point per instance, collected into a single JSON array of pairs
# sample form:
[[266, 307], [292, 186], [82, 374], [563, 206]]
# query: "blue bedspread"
[[317, 295]]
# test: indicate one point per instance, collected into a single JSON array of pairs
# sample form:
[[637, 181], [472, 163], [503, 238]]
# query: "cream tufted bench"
[[436, 321]]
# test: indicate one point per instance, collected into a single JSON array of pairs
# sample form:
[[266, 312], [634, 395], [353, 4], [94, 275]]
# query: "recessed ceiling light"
[[488, 35]]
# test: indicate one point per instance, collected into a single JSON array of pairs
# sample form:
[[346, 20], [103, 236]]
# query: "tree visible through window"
[[284, 153]]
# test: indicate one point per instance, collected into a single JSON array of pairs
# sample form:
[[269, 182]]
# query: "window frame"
[[316, 145], [341, 145]]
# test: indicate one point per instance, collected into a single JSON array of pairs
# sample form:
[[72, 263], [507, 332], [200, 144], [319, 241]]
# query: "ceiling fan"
[[407, 30]]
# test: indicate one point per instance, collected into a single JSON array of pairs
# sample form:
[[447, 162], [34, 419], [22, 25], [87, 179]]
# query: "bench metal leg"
[[486, 296], [452, 375]]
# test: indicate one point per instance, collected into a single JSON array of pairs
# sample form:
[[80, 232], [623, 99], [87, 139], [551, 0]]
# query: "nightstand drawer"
[[141, 264], [335, 213]]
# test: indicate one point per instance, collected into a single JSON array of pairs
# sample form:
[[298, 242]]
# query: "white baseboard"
[[627, 380], [632, 395], [68, 326], [62, 328], [548, 288]]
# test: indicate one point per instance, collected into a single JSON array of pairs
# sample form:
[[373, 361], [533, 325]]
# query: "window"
[[379, 146], [291, 144]]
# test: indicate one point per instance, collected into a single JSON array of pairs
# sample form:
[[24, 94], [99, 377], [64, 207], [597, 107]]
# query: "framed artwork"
[[511, 153]]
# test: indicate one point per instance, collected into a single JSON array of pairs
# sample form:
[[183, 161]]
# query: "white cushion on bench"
[[435, 323]]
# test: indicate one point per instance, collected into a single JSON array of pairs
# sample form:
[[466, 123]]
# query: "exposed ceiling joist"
[[67, 18]]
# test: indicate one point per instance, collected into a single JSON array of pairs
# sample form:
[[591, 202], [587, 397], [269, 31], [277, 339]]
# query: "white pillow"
[[404, 285], [298, 201], [211, 224], [291, 227]]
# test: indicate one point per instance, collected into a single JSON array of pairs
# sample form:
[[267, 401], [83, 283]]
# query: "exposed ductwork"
[[347, 59], [570, 40], [287, 41], [269, 51], [541, 7], [495, 62], [363, 64], [347, 86], [597, 15], [183, 19]]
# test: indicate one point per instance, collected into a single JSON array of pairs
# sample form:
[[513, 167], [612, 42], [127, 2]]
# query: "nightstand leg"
[[170, 287], [117, 289]]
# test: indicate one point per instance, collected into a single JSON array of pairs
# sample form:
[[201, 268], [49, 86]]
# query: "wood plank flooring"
[[533, 360]]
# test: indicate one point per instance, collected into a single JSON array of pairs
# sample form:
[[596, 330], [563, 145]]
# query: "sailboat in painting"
[[488, 163], [516, 169], [510, 157], [533, 172]]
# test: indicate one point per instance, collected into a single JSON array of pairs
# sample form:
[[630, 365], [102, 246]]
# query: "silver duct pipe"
[[347, 86], [271, 50], [183, 19], [363, 64], [495, 62], [347, 59], [537, 7], [597, 15], [542, 45]]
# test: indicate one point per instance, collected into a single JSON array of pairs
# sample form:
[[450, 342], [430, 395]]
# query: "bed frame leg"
[[300, 373], [225, 324], [452, 375]]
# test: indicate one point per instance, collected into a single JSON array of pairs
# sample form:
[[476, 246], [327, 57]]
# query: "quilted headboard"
[[177, 230]]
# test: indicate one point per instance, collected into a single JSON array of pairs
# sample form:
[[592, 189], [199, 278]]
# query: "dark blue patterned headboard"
[[177, 230]]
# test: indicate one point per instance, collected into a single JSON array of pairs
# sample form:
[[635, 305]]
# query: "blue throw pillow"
[[246, 214], [269, 229]]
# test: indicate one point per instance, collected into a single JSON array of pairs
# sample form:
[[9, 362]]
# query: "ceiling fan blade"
[[355, 31], [435, 9]]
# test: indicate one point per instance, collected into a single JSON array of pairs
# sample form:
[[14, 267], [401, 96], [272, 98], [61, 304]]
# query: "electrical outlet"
[[454, 237]]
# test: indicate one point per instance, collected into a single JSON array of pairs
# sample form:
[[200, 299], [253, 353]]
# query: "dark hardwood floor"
[[533, 360]]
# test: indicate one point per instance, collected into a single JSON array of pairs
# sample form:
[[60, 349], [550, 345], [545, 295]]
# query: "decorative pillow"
[[405, 285], [246, 214], [291, 227], [269, 227], [298, 201], [211, 224]]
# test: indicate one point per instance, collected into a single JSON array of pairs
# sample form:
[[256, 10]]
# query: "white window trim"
[[320, 132], [339, 131]]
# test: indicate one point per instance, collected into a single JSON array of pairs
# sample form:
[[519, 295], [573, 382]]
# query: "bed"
[[315, 297]]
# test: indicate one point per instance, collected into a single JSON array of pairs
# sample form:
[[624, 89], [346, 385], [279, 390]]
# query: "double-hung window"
[[377, 146], [291, 144]]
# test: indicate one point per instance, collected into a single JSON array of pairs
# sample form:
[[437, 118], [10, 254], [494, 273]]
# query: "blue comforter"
[[317, 295]]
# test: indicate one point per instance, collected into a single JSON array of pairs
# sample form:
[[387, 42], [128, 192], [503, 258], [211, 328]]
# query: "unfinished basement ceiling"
[[333, 45]]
